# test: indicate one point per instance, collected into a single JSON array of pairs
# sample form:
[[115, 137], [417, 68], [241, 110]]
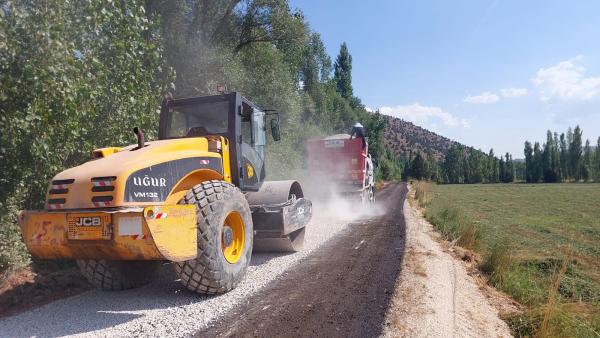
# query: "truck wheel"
[[367, 196], [117, 275], [225, 237]]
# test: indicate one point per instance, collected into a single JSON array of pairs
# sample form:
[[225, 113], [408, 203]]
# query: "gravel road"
[[164, 308], [342, 290]]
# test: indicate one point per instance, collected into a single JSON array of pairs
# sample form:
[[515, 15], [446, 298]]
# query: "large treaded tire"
[[117, 275], [210, 272]]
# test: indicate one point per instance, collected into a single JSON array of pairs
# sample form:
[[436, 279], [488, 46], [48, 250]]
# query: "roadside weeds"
[[439, 292]]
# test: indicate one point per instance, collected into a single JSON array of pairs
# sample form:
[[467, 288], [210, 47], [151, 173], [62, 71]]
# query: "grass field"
[[540, 243]]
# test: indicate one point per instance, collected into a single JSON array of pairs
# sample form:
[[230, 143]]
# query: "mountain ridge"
[[405, 138]]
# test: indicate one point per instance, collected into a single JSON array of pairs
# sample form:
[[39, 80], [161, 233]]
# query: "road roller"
[[196, 197]]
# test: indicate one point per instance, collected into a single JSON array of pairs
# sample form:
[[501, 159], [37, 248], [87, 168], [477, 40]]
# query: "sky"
[[489, 74]]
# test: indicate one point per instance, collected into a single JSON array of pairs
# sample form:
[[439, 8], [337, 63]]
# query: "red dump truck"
[[341, 163]]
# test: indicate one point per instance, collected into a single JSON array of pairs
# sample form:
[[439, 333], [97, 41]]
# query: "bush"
[[13, 254], [422, 192], [454, 225], [497, 263], [74, 76]]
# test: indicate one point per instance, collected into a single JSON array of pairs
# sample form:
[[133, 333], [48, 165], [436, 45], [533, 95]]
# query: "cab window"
[[198, 119]]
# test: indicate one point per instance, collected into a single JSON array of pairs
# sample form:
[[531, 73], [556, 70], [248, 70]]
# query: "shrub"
[[13, 254], [497, 263], [422, 192], [454, 225]]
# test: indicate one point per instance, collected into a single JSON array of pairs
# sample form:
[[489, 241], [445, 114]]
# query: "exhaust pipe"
[[140, 137]]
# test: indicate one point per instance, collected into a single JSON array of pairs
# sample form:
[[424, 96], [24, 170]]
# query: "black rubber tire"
[[210, 272], [372, 195], [117, 275]]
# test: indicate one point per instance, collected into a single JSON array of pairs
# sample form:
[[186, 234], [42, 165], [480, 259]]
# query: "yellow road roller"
[[197, 197]]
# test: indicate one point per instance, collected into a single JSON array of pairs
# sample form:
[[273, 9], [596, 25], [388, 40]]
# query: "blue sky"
[[485, 73]]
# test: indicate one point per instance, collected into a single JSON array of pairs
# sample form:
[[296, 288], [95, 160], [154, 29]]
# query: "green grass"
[[526, 233]]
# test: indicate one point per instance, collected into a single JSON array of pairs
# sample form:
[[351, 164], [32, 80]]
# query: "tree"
[[508, 174], [418, 167], [555, 158], [343, 72], [550, 162], [587, 166], [519, 170], [546, 159], [476, 165], [575, 153], [317, 64], [502, 169], [453, 164], [537, 163], [492, 167], [564, 158], [207, 42], [529, 165], [98, 73], [434, 170], [74, 76]]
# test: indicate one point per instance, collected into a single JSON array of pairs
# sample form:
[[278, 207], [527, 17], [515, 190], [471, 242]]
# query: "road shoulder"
[[436, 296]]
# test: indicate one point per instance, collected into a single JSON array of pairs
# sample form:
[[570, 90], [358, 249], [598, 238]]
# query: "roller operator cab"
[[196, 197]]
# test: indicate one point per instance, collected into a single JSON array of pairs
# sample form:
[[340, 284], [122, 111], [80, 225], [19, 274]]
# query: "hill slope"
[[402, 137]]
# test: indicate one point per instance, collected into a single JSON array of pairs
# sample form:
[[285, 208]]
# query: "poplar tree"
[[491, 164], [343, 72], [575, 153], [537, 160], [555, 158], [546, 159], [564, 158], [529, 165], [587, 165]]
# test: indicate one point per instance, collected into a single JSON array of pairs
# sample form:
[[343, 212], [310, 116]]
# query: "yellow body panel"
[[173, 228], [134, 232], [105, 152], [226, 160], [134, 236], [121, 164]]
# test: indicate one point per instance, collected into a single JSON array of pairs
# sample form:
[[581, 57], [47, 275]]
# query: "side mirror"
[[275, 132]]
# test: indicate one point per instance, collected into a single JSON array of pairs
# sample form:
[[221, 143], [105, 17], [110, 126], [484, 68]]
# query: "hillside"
[[402, 137]]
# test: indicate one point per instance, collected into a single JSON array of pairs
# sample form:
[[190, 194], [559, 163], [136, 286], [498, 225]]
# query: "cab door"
[[252, 148]]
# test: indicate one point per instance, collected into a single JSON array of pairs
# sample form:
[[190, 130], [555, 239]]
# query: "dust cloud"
[[330, 204]]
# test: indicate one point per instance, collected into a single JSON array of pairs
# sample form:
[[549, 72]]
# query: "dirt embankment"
[[436, 296], [39, 284]]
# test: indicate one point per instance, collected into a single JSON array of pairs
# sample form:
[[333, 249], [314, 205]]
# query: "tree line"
[[462, 164], [562, 158]]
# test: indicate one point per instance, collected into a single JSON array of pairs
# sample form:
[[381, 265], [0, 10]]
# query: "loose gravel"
[[164, 308]]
